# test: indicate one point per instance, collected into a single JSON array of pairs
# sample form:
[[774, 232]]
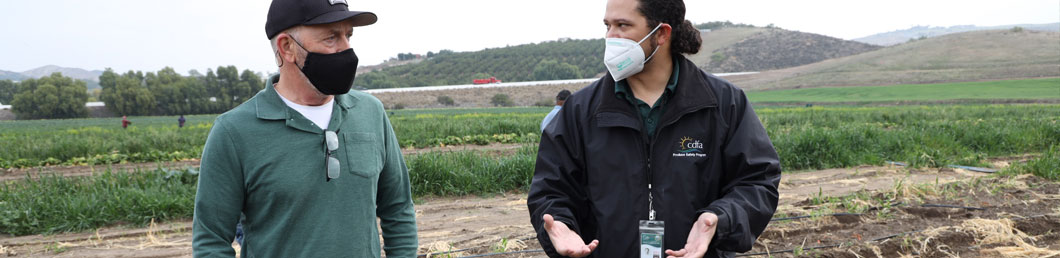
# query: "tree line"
[[553, 60], [133, 93], [723, 24]]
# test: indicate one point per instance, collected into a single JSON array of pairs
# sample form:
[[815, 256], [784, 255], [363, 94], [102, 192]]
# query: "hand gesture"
[[566, 242], [699, 238]]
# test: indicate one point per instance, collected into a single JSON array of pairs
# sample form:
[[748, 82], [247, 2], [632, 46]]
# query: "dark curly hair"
[[684, 37]]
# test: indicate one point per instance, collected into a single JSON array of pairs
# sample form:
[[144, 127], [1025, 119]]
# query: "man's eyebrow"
[[336, 31], [618, 20]]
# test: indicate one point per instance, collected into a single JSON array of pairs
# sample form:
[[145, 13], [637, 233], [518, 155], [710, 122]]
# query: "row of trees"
[[133, 93], [7, 91], [169, 93], [565, 59], [54, 96], [722, 24]]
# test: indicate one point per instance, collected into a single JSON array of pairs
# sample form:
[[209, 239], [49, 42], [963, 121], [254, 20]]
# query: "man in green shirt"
[[309, 163]]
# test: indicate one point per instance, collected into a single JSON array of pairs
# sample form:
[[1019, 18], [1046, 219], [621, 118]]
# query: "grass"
[[805, 138], [424, 130], [1036, 89], [56, 204], [471, 172], [1047, 165], [923, 136], [150, 139], [100, 140]]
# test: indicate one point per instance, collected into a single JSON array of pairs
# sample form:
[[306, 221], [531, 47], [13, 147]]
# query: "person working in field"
[[560, 98], [657, 158], [125, 122], [180, 121], [310, 164]]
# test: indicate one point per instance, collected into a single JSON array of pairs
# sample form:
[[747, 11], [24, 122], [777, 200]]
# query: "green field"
[[805, 138], [32, 143], [1030, 89]]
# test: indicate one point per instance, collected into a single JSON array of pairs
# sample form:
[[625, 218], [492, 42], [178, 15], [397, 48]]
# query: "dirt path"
[[20, 173], [481, 224], [1006, 217]]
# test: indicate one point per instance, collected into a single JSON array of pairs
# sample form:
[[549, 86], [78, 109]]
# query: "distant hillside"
[[8, 75], [902, 36], [576, 58], [91, 78], [968, 56], [76, 73], [724, 49], [718, 39], [770, 49]]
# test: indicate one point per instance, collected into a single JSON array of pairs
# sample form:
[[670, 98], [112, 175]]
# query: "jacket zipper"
[[651, 149], [651, 208]]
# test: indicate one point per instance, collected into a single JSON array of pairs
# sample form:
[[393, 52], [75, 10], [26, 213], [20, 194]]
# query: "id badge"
[[651, 239]]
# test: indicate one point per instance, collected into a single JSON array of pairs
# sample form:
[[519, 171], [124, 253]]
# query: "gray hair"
[[293, 31]]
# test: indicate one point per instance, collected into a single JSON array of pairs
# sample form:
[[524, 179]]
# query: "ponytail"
[[685, 39]]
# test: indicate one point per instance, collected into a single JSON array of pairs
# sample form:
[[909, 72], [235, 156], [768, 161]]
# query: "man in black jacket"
[[697, 158]]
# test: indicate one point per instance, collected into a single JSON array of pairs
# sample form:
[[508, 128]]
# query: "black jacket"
[[710, 153]]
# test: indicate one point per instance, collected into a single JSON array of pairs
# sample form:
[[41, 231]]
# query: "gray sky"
[[147, 35]]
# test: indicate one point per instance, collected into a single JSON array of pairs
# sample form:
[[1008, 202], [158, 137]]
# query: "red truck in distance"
[[485, 81]]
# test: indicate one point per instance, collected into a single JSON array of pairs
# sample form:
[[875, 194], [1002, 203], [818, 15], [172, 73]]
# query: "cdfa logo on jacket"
[[689, 147]]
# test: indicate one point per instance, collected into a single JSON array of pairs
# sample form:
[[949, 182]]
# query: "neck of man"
[[294, 86], [650, 83]]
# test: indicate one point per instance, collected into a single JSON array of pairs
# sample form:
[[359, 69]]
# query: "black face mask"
[[331, 74]]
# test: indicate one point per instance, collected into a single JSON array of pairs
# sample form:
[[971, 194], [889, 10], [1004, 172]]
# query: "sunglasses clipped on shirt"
[[331, 143]]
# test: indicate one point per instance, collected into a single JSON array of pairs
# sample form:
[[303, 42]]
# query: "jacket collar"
[[692, 93], [270, 107]]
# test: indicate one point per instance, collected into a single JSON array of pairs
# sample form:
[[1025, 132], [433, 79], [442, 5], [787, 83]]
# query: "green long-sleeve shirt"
[[267, 161]]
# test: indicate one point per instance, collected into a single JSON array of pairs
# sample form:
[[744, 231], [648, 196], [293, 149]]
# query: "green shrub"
[[502, 100], [446, 100]]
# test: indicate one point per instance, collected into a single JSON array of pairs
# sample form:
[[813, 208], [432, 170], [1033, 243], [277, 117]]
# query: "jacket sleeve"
[[558, 185], [749, 186], [219, 198], [394, 201]]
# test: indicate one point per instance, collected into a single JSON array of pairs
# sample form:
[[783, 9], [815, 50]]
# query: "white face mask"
[[624, 57]]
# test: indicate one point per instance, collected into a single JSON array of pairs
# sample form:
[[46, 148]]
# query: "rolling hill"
[[743, 48], [959, 57], [91, 78], [514, 63], [76, 73], [9, 75], [902, 36], [769, 49]]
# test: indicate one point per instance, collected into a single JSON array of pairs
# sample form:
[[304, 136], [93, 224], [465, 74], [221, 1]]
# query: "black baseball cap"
[[284, 14]]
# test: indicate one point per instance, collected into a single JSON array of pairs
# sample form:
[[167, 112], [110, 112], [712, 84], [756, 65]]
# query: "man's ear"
[[285, 48], [663, 35]]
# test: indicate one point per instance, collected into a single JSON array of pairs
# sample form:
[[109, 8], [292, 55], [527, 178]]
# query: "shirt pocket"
[[364, 154]]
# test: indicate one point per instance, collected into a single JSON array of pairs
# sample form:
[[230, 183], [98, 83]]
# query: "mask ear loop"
[[646, 37], [296, 43], [278, 57]]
